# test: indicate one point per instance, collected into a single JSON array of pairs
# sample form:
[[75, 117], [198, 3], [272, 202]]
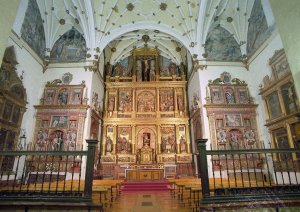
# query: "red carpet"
[[146, 186]]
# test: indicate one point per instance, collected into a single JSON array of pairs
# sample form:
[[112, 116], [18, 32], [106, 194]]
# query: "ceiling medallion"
[[156, 31], [204, 55], [76, 21], [178, 49], [62, 21], [130, 7], [145, 38], [113, 49], [229, 19], [163, 6]]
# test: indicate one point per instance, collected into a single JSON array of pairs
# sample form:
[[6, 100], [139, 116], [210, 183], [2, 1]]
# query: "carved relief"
[[166, 100], [168, 141], [125, 101], [146, 102]]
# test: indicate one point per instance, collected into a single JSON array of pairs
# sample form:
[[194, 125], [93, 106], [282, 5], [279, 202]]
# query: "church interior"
[[149, 105]]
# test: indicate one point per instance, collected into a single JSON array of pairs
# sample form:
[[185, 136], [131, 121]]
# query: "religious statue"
[[182, 144], [139, 70], [108, 69], [181, 69], [118, 70], [146, 71], [63, 97], [173, 68], [152, 70], [111, 103], [41, 144], [229, 96], [109, 145]]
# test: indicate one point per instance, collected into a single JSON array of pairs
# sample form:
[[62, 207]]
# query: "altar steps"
[[145, 186]]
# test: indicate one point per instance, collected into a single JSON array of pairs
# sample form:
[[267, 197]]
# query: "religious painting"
[[71, 137], [16, 114], [146, 102], [70, 47], [124, 140], [126, 67], [165, 64], [273, 105], [282, 68], [49, 96], [73, 124], [59, 122], [289, 98], [229, 95], [56, 140], [125, 101], [166, 100], [233, 120], [243, 96], [76, 96], [250, 137], [168, 140], [216, 95], [63, 96], [7, 110], [235, 139], [44, 123]]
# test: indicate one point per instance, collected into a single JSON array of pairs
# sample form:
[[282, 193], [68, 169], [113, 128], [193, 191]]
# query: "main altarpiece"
[[145, 120]]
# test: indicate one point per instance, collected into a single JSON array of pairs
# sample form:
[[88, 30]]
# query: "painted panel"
[[70, 47], [258, 30], [33, 30], [221, 46]]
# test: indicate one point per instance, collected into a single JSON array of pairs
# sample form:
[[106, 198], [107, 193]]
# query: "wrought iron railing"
[[48, 175], [244, 174]]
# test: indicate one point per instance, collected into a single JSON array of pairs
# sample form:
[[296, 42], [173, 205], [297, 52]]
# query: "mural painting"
[[70, 47]]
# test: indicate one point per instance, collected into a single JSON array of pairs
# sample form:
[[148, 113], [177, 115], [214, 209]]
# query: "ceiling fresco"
[[176, 27]]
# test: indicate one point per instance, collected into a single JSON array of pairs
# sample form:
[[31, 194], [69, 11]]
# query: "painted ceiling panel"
[[188, 22]]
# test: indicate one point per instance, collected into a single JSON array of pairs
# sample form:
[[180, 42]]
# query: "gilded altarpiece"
[[145, 120], [60, 118], [282, 108], [12, 107], [232, 120]]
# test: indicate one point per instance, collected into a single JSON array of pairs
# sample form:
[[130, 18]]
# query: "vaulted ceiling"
[[170, 24]]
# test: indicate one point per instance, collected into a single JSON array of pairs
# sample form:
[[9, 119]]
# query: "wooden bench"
[[26, 206]]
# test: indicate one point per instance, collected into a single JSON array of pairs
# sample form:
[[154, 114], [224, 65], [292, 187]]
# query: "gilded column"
[[158, 139], [290, 139], [134, 103], [283, 111], [175, 101], [177, 139], [157, 103], [133, 139], [188, 138], [104, 136], [115, 139]]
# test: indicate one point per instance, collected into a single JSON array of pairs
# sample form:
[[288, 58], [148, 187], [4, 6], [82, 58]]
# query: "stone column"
[[287, 18]]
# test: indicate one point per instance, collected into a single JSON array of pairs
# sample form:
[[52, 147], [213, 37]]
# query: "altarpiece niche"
[[145, 120], [232, 119], [60, 120]]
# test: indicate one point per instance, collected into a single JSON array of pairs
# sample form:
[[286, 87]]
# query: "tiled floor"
[[147, 201]]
